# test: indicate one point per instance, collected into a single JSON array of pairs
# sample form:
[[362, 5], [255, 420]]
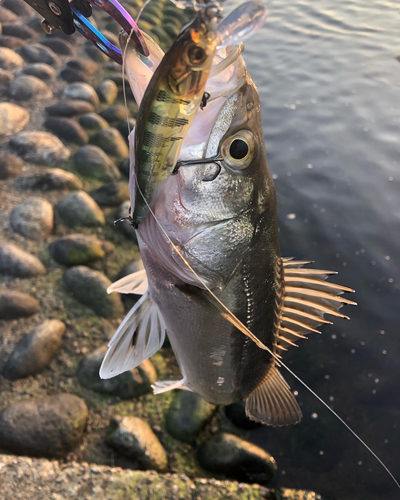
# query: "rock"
[[125, 167], [111, 194], [112, 142], [40, 148], [95, 54], [35, 351], [17, 305], [52, 178], [67, 130], [51, 426], [90, 288], [27, 87], [19, 7], [37, 53], [114, 113], [108, 91], [33, 218], [91, 161], [243, 461], [84, 65], [41, 70], [12, 42], [81, 92], [59, 46], [10, 165], [16, 262], [13, 118], [79, 209], [69, 108], [6, 16], [133, 438], [187, 415], [19, 30], [127, 385], [76, 249], [10, 60], [72, 75], [125, 226], [237, 415], [5, 77], [133, 267], [125, 127], [92, 122]]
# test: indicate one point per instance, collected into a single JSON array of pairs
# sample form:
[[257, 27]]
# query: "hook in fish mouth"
[[184, 163]]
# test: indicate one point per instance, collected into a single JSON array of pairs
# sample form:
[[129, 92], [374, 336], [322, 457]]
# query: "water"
[[329, 85]]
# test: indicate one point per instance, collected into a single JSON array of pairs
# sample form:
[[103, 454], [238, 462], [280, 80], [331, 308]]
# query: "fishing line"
[[229, 316]]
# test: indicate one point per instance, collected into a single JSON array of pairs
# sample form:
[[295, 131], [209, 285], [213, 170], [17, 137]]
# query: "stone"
[[10, 60], [83, 65], [125, 127], [125, 167], [79, 209], [187, 415], [75, 249], [69, 108], [50, 427], [38, 53], [133, 267], [51, 179], [115, 113], [92, 122], [130, 384], [82, 92], [237, 415], [35, 351], [134, 439], [90, 288], [10, 165], [107, 91], [72, 75], [236, 458], [41, 70], [67, 129], [19, 30], [59, 46], [91, 161], [95, 54], [112, 142], [6, 16], [26, 87], [19, 7], [15, 305], [18, 263], [40, 148], [33, 218], [12, 42], [13, 118], [111, 195], [5, 77], [125, 226]]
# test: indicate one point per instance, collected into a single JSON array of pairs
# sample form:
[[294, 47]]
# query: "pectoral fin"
[[135, 283], [169, 385], [272, 403]]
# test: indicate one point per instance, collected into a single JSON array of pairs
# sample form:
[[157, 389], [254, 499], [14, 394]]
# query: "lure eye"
[[196, 55], [239, 150]]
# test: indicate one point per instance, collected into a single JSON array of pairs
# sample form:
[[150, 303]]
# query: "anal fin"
[[272, 403], [169, 385]]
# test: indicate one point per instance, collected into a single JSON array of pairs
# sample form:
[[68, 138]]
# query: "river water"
[[329, 84]]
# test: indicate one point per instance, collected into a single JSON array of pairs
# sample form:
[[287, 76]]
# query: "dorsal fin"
[[272, 403]]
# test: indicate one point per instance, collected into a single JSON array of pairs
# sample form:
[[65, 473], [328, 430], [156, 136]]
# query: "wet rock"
[[10, 60], [39, 70], [133, 438], [76, 249], [27, 87], [12, 42], [114, 113], [6, 16], [59, 46], [90, 288], [16, 262], [243, 461], [35, 351], [125, 226], [68, 130], [127, 385], [95, 54], [53, 178], [84, 65], [125, 167], [91, 161], [51, 426], [69, 108], [40, 148], [33, 218], [19, 30], [5, 77], [237, 415], [10, 165], [111, 194], [82, 92], [187, 415], [79, 209], [13, 118], [15, 305], [112, 142], [37, 53], [108, 91], [72, 75], [125, 127], [92, 122], [19, 7]]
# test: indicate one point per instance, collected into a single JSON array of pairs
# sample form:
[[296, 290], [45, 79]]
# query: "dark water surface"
[[330, 90]]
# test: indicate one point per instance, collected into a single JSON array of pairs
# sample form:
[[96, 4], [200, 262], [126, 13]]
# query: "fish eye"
[[239, 150], [196, 55]]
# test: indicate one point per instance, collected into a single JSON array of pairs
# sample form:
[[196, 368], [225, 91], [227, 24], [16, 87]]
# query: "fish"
[[213, 268]]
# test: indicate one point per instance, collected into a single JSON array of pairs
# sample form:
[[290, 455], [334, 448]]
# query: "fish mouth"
[[185, 163]]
